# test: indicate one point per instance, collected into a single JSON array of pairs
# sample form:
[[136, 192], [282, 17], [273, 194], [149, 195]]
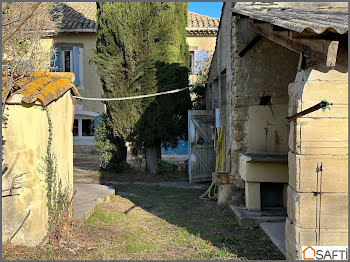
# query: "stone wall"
[[219, 91], [315, 140], [201, 43], [26, 145], [265, 70]]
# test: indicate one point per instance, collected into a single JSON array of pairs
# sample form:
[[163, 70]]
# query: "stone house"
[[76, 39], [272, 61], [38, 137]]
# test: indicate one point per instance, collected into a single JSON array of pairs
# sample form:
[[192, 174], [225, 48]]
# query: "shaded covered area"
[[289, 60]]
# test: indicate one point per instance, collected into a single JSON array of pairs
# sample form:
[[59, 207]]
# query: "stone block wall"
[[219, 91], [254, 75], [319, 138]]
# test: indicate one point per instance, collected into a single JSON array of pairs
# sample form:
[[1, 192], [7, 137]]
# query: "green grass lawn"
[[153, 222]]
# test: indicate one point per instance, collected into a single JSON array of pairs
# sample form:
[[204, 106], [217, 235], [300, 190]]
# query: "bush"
[[111, 148], [165, 167]]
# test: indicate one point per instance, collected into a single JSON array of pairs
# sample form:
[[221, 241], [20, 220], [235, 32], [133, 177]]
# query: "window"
[[88, 127], [69, 58], [83, 127]]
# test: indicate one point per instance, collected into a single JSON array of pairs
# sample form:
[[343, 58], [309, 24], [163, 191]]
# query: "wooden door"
[[201, 159]]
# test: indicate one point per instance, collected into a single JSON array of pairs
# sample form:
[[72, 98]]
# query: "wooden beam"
[[323, 51], [249, 45]]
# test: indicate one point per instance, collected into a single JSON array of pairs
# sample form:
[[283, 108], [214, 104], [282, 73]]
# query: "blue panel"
[[76, 65], [181, 149], [96, 119]]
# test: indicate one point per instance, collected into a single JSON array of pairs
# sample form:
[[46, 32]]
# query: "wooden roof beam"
[[323, 51]]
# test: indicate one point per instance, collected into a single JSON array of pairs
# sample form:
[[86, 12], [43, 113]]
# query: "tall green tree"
[[141, 49]]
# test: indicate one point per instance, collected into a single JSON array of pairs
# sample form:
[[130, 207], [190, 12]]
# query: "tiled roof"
[[44, 87], [201, 21], [81, 16], [75, 16], [316, 17]]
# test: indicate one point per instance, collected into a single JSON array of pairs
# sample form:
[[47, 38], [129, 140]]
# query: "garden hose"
[[207, 194], [219, 146], [220, 149]]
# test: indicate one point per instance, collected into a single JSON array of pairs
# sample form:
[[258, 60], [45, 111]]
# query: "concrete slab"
[[276, 232], [246, 217], [88, 196]]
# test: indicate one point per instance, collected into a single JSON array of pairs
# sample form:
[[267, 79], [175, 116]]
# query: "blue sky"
[[212, 9]]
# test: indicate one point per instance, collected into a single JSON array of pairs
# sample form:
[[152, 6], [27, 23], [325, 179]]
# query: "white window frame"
[[81, 140]]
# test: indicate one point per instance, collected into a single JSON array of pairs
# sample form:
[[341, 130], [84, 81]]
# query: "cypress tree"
[[141, 49]]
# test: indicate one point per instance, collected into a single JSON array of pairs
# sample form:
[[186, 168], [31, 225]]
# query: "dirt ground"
[[86, 170], [156, 223], [153, 223]]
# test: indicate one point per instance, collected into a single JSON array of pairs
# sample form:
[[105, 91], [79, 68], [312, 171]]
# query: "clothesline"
[[140, 96]]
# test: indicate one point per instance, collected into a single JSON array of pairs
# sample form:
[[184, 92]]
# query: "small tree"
[[202, 70], [141, 49], [111, 148], [23, 29], [22, 32]]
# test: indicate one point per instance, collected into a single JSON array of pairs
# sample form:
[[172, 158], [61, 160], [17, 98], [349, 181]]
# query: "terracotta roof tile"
[[44, 87], [201, 21]]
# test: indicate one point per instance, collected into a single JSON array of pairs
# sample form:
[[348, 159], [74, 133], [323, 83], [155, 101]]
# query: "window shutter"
[[76, 70], [55, 60]]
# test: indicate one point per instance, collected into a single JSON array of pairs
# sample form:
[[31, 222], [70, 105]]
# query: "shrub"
[[111, 148], [165, 167]]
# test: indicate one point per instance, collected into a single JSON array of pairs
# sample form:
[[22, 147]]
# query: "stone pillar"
[[252, 196], [315, 140]]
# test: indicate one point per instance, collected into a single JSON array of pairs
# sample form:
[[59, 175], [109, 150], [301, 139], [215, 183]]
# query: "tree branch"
[[20, 226], [54, 226], [13, 185], [21, 22], [11, 22], [4, 168]]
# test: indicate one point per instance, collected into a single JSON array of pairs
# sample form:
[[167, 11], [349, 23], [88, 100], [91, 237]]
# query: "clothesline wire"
[[140, 96]]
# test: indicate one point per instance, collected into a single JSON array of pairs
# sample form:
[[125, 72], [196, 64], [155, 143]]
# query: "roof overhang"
[[321, 50]]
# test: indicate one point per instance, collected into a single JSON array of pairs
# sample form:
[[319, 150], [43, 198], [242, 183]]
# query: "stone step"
[[246, 217]]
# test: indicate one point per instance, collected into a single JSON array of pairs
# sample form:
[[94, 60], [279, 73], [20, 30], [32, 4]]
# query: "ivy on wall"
[[56, 197]]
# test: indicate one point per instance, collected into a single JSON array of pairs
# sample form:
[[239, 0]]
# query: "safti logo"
[[309, 253], [325, 252]]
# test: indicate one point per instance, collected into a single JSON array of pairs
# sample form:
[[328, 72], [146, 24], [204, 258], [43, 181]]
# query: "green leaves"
[[141, 49]]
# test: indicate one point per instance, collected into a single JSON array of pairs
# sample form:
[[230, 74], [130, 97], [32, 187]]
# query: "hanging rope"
[[132, 97], [140, 96]]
